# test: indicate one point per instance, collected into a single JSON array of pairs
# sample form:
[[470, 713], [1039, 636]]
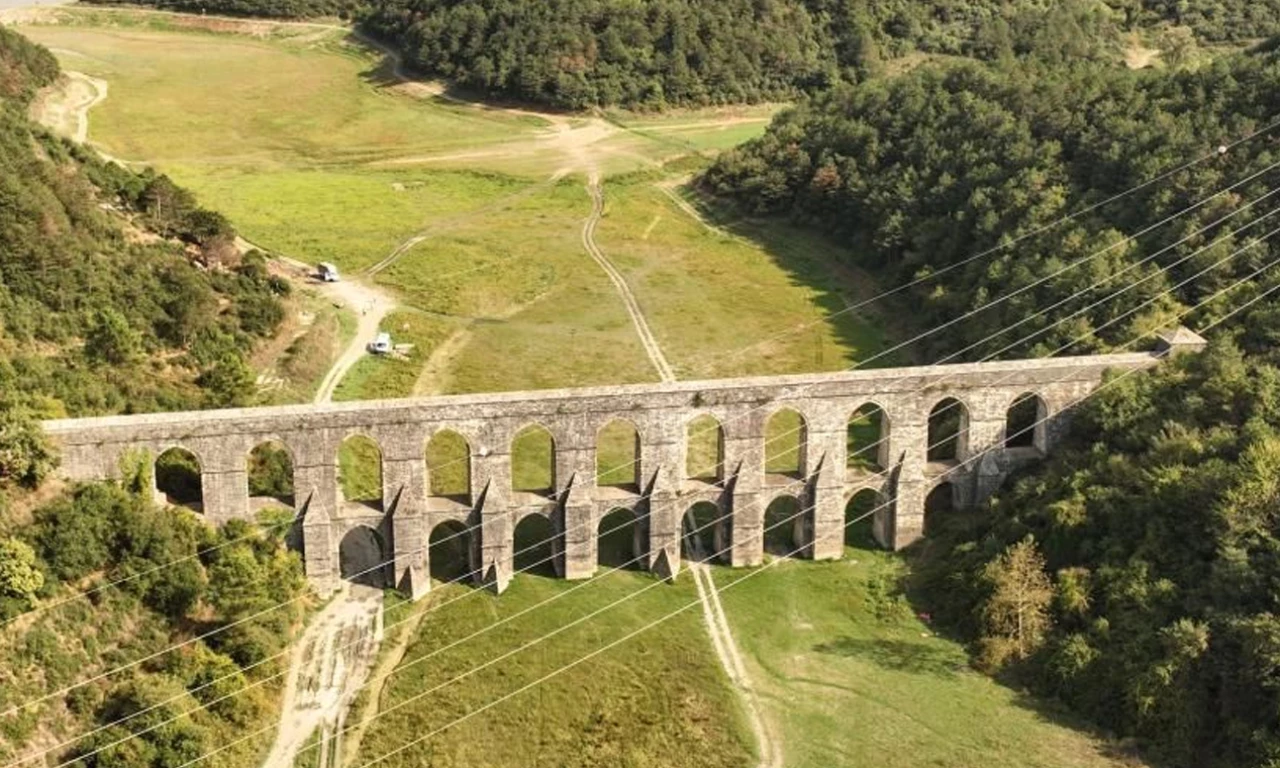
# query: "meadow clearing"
[[307, 140]]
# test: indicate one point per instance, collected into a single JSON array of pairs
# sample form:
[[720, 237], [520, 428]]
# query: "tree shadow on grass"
[[897, 655], [837, 283]]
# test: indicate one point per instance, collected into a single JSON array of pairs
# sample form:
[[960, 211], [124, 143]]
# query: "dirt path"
[[373, 306], [596, 189], [64, 108], [329, 665], [731, 660]]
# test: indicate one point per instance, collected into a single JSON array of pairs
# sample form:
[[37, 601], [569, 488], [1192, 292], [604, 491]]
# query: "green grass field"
[[660, 700], [849, 675], [724, 305], [299, 135]]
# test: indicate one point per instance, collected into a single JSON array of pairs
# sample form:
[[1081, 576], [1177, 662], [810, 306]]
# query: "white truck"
[[381, 344], [327, 272]]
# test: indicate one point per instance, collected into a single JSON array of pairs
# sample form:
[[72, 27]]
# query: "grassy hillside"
[[328, 158], [850, 675], [53, 641], [662, 700], [119, 292]]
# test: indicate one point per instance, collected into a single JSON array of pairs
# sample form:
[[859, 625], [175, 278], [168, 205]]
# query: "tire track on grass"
[[727, 651], [647, 339]]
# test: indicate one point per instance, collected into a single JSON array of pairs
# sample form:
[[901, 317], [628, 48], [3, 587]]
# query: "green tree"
[[1016, 614], [20, 578], [229, 382], [26, 455], [112, 340]]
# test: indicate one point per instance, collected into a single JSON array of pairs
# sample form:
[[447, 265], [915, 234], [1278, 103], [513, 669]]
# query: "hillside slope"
[[118, 292], [920, 173]]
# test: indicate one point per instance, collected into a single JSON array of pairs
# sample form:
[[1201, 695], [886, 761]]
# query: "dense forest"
[[1133, 576], [118, 293], [920, 172], [658, 53], [219, 586]]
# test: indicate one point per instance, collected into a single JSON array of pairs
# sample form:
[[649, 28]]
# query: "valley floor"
[[527, 250]]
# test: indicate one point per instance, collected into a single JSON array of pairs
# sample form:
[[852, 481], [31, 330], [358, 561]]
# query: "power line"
[[714, 522]]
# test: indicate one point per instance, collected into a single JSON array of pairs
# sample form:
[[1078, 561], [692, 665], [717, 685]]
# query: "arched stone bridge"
[[823, 474]]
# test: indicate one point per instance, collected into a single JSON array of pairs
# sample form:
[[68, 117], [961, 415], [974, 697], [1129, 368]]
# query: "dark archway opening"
[[783, 527], [618, 540], [535, 549], [362, 557], [178, 479], [938, 505], [449, 552], [702, 538], [860, 516], [948, 430], [270, 473], [1022, 422]]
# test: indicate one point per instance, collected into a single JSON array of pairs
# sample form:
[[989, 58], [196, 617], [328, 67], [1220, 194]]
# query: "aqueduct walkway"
[[824, 480]]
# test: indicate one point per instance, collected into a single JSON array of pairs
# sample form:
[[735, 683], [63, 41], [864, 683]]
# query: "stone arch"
[[788, 527], [448, 457], [864, 513], [1024, 422], [948, 436], [179, 478], [536, 545], [618, 540], [702, 533], [449, 552], [940, 503], [704, 449], [269, 472], [868, 438], [618, 455], [360, 471], [362, 557], [533, 460], [786, 440]]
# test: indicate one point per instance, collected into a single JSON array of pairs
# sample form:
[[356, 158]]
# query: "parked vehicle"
[[381, 345], [328, 272]]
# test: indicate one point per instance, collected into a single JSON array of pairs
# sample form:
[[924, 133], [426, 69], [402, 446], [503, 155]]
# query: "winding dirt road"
[[651, 348], [372, 305]]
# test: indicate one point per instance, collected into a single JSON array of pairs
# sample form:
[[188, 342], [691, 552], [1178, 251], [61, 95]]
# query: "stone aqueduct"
[[741, 490]]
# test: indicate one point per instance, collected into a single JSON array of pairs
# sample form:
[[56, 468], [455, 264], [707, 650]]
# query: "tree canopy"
[[118, 291], [919, 173]]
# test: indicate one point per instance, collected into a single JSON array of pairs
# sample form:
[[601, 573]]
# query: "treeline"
[[118, 292], [1134, 576], [658, 53], [275, 9], [919, 173], [580, 53], [219, 586]]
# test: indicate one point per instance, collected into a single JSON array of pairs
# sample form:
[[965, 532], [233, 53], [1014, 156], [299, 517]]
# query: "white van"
[[381, 345], [328, 272]]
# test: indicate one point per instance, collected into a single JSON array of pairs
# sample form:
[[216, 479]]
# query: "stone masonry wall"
[[222, 441]]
